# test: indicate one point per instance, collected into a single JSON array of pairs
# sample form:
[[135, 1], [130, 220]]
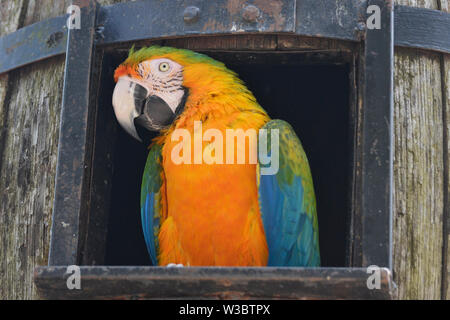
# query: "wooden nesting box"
[[374, 125]]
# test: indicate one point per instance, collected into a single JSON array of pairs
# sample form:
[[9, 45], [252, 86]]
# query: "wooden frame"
[[372, 195]]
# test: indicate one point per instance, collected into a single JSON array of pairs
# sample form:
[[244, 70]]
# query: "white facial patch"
[[163, 78], [173, 99]]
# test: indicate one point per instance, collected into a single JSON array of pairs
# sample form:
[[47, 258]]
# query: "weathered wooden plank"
[[231, 42], [10, 20], [418, 171], [445, 5], [11, 16], [418, 175], [213, 283], [29, 147], [446, 248], [445, 71], [429, 4], [108, 2], [289, 42], [29, 163], [43, 9]]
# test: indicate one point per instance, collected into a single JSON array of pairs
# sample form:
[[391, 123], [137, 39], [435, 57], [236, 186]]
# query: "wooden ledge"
[[112, 282]]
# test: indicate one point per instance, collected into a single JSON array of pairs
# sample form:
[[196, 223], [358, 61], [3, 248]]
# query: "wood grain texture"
[[11, 18], [28, 173], [445, 71], [444, 5], [418, 175], [419, 196], [10, 14], [289, 42], [213, 283], [39, 10], [445, 65], [109, 2], [29, 111], [430, 4], [231, 42]]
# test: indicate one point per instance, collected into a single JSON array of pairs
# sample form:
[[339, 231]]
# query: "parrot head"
[[155, 85]]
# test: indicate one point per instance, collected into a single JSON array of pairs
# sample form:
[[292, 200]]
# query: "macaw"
[[215, 213]]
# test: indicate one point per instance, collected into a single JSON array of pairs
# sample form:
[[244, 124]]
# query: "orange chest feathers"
[[213, 216]]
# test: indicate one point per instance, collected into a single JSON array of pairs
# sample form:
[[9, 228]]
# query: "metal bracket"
[[33, 43], [73, 137], [377, 140], [142, 20]]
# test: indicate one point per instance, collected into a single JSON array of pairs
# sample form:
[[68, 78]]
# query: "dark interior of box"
[[313, 98]]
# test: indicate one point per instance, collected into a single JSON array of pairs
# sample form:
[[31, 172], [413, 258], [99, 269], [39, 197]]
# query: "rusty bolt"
[[191, 14], [54, 39], [250, 13]]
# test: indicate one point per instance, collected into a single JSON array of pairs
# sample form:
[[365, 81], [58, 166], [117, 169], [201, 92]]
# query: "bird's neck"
[[220, 110]]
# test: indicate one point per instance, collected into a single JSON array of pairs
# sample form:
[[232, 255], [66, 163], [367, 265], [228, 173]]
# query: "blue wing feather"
[[150, 201], [287, 203]]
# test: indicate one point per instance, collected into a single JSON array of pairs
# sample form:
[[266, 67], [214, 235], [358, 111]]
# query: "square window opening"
[[311, 91]]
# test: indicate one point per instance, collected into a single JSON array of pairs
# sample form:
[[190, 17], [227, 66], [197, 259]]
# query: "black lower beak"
[[154, 113]]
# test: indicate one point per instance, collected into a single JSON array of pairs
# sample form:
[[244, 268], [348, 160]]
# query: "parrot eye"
[[164, 67]]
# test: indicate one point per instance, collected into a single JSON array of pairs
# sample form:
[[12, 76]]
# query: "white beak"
[[124, 106]]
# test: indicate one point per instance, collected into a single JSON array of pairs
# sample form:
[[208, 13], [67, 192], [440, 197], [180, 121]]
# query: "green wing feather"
[[287, 203], [151, 201]]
